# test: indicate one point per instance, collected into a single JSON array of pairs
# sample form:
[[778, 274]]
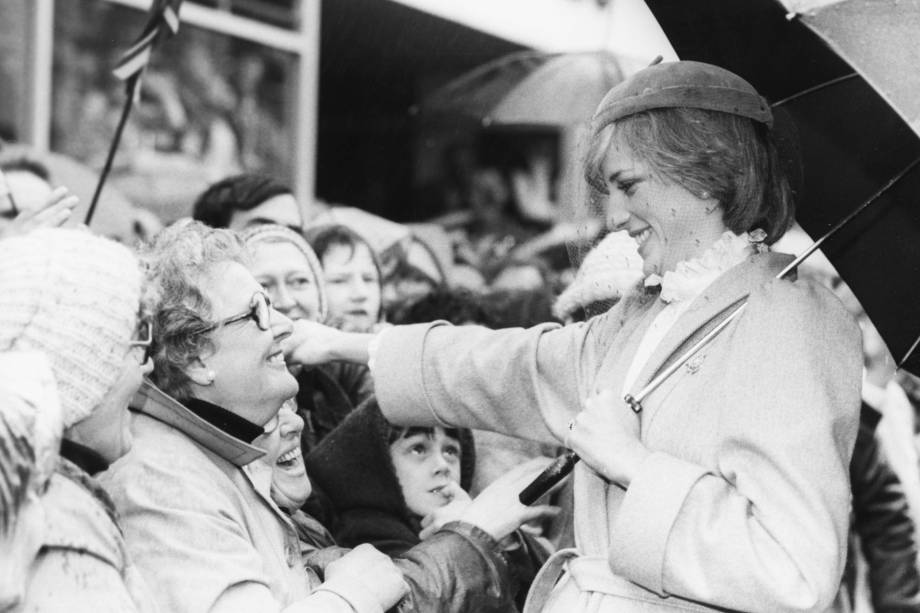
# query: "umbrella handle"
[[551, 475]]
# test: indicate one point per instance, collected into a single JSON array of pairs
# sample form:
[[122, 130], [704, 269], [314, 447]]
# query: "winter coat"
[[459, 569], [83, 564], [31, 425], [327, 394], [354, 467], [743, 503], [883, 526], [200, 521]]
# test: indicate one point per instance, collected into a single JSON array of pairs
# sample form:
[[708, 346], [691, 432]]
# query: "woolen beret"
[[682, 84]]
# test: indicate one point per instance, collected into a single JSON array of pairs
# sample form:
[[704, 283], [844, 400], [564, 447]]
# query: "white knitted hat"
[[611, 269], [74, 297]]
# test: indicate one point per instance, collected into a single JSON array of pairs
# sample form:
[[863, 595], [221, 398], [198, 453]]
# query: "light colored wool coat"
[[744, 502], [83, 564], [205, 531]]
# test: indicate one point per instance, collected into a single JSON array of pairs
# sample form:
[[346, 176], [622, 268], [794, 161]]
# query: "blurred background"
[[319, 94]]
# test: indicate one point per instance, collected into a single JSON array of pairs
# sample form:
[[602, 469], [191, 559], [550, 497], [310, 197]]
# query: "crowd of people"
[[258, 409]]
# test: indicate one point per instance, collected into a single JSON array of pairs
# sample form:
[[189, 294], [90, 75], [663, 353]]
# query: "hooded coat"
[[352, 466]]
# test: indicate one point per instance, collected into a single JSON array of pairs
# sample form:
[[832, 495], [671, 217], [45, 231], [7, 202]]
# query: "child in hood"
[[383, 480]]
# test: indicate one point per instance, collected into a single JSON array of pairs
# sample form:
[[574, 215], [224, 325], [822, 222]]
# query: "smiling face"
[[352, 287], [425, 461], [250, 376], [290, 485], [284, 272], [669, 222]]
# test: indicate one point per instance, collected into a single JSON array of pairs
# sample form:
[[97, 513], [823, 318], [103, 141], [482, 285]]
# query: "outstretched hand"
[[605, 435], [56, 210], [310, 343], [497, 510]]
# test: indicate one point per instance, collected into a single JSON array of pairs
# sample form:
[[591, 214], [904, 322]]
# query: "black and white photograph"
[[459, 306]]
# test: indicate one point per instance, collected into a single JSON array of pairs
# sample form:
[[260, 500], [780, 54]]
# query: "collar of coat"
[[708, 308], [87, 459], [152, 401]]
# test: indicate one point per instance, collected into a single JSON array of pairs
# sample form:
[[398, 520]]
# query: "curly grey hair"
[[174, 264]]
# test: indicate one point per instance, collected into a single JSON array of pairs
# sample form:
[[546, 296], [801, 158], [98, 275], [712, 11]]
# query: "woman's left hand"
[[605, 435]]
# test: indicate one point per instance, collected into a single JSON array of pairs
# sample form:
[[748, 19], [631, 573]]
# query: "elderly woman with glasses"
[[198, 516], [198, 511]]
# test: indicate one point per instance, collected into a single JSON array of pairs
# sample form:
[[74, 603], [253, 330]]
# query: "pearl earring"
[[211, 376]]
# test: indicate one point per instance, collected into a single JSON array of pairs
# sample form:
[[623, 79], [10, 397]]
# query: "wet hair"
[[325, 237], [174, 265], [731, 158], [217, 204]]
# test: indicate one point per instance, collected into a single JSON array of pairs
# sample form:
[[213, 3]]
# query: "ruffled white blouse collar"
[[691, 277]]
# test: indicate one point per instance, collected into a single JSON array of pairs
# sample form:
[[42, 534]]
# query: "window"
[[212, 105]]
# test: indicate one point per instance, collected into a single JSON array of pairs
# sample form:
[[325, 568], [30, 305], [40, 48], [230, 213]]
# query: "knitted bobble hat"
[[74, 297], [611, 269]]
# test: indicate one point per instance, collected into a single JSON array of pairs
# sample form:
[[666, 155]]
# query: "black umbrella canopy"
[[842, 79]]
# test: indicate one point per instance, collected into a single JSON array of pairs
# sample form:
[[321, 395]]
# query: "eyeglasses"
[[146, 342], [259, 311]]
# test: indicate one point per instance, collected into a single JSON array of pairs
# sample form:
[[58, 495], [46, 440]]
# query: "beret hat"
[[682, 84]]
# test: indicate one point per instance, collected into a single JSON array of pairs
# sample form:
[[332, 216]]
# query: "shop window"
[[281, 13], [14, 30], [211, 105]]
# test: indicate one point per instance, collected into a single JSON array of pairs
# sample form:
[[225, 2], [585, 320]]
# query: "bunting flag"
[[163, 17]]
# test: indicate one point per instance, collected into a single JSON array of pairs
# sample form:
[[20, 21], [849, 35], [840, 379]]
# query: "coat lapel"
[[706, 310]]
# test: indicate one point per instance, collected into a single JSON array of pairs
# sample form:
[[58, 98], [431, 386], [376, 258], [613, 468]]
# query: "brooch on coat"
[[693, 364]]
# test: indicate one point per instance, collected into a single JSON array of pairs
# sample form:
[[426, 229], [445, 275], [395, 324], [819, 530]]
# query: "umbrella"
[[529, 88], [841, 82], [842, 75]]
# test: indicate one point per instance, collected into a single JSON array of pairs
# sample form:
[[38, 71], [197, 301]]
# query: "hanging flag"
[[163, 18]]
